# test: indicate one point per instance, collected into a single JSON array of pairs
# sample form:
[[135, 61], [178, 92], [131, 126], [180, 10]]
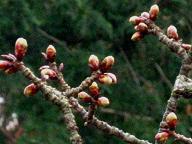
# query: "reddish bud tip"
[[172, 32], [85, 97], [93, 62], [51, 53], [30, 90], [94, 89], [171, 119], [154, 11], [5, 64], [137, 36], [103, 101], [107, 63], [48, 74], [142, 27], [135, 20], [11, 70], [162, 136], [20, 48]]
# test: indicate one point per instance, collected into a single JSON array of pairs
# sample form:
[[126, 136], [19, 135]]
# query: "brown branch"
[[182, 138]]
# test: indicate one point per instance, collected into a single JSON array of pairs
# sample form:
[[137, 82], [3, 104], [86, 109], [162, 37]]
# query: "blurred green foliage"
[[94, 27]]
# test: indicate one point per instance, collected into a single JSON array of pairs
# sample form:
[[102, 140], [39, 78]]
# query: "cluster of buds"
[[139, 22], [171, 121], [94, 96], [50, 53], [103, 66]]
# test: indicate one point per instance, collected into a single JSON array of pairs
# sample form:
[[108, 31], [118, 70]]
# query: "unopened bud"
[[145, 15], [48, 74], [107, 63], [105, 79], [162, 137], [154, 11], [171, 120], [137, 36], [5, 64], [103, 101], [20, 48], [30, 90], [93, 62], [187, 47], [113, 77], [172, 32], [51, 53], [142, 27], [85, 97], [11, 70], [135, 20], [94, 89]]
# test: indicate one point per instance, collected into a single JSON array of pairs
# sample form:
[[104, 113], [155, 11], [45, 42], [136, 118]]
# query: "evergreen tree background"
[[78, 28]]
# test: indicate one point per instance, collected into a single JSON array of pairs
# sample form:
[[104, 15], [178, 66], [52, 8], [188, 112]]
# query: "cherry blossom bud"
[[162, 136], [20, 48], [135, 20], [142, 27], [51, 53], [186, 46], [107, 63], [154, 11], [93, 62], [94, 89], [103, 101], [137, 36], [85, 97], [5, 64], [171, 119], [11, 70], [113, 77], [145, 15], [172, 32], [48, 74], [105, 79], [30, 90]]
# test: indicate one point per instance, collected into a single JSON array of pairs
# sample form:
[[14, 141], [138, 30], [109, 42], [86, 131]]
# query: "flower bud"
[[171, 120], [107, 63], [105, 79], [48, 74], [20, 48], [141, 27], [103, 101], [154, 11], [51, 53], [5, 64], [11, 70], [113, 77], [135, 20], [187, 47], [162, 137], [93, 62], [85, 97], [145, 15], [172, 32], [94, 89], [137, 36], [30, 90]]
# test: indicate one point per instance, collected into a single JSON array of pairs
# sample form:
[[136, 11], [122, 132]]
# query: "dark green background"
[[97, 27]]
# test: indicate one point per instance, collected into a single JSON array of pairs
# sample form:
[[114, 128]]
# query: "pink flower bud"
[[107, 78], [162, 137], [85, 97], [48, 74], [171, 119], [94, 89], [187, 47], [5, 64], [20, 48], [154, 11], [93, 62], [51, 53], [145, 15], [137, 36], [11, 70], [141, 27], [103, 101], [172, 32], [135, 20], [113, 77], [30, 90], [107, 63]]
